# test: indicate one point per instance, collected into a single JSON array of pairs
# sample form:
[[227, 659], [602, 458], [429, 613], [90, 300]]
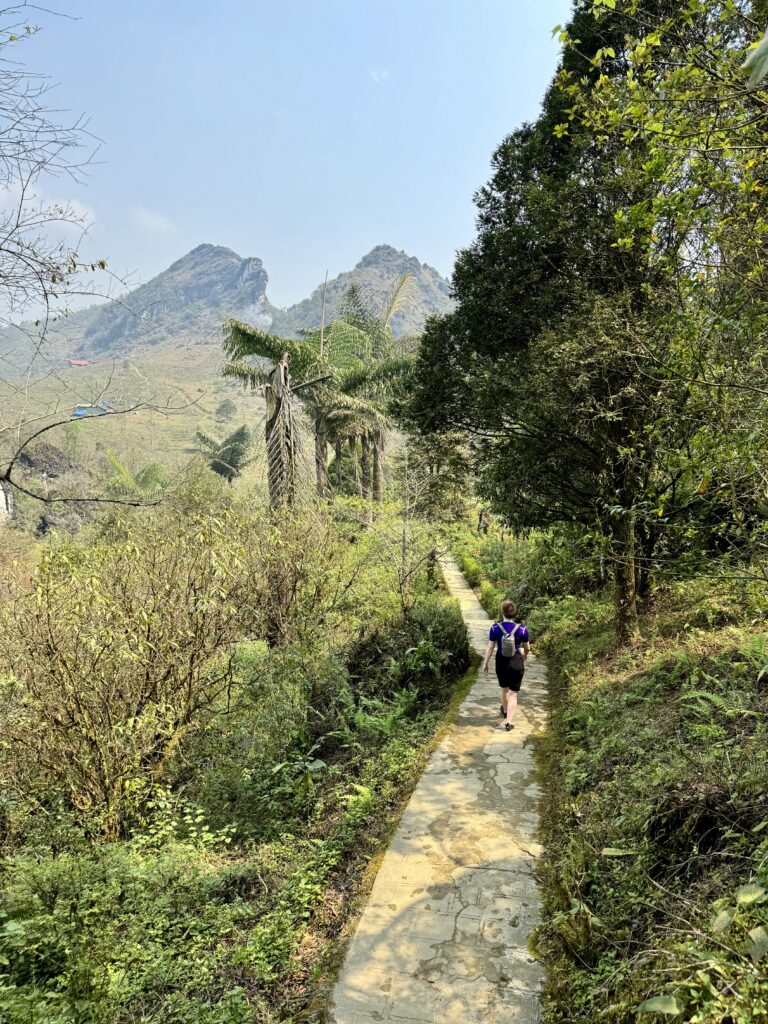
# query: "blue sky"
[[298, 131]]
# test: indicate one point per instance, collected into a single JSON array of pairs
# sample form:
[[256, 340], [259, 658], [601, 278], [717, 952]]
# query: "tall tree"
[[349, 368], [564, 425]]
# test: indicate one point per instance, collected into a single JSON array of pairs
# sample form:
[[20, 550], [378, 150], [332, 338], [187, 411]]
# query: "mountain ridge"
[[377, 271], [186, 304]]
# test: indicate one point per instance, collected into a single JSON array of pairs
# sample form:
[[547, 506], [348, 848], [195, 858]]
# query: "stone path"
[[443, 938]]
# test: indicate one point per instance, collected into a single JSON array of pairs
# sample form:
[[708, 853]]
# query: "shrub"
[[654, 866], [491, 598], [472, 569], [417, 650], [530, 568], [87, 934], [114, 655]]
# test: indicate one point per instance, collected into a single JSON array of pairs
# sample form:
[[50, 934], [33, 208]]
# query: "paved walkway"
[[443, 938]]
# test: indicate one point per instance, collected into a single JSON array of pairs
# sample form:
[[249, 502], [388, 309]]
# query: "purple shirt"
[[521, 633]]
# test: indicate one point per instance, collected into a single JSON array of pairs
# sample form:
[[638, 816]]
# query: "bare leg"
[[505, 700], [511, 703]]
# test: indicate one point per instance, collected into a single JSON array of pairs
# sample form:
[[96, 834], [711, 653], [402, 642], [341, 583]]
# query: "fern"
[[729, 707]]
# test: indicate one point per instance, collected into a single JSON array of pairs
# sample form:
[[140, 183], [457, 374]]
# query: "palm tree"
[[348, 369], [146, 482], [242, 343], [229, 457]]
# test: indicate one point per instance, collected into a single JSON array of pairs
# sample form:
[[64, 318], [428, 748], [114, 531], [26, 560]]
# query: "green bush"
[[540, 565], [421, 651], [471, 568], [491, 598], [105, 934], [233, 817]]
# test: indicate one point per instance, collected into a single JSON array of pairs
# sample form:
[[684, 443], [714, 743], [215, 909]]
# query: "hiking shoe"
[[502, 712], [508, 726]]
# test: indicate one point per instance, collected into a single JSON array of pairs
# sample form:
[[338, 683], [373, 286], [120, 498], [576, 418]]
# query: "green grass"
[[180, 385]]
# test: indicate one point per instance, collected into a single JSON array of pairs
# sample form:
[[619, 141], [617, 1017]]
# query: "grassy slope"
[[657, 813], [181, 384]]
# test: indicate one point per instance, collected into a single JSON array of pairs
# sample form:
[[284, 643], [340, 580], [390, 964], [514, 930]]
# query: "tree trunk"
[[339, 453], [645, 547], [281, 450], [378, 466], [625, 582], [355, 470], [365, 464], [321, 457]]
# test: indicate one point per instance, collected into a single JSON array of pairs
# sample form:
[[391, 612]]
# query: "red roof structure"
[[78, 362]]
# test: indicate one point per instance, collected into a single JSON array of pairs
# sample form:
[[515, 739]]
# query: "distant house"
[[79, 362], [91, 410]]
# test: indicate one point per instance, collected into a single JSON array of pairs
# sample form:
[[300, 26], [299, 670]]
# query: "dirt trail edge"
[[443, 938]]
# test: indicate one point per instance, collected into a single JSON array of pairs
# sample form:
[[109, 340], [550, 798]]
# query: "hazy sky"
[[300, 131]]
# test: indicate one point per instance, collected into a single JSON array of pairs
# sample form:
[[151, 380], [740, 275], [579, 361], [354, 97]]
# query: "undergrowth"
[[189, 922], [217, 888], [655, 873]]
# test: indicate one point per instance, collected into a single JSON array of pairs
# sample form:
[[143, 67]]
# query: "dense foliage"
[[607, 355], [655, 868], [210, 713]]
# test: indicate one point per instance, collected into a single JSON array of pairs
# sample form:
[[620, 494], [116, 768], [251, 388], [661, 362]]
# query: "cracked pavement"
[[444, 936]]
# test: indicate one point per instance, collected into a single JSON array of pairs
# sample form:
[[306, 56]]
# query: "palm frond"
[[242, 341], [123, 480], [347, 345], [207, 442], [367, 412], [252, 376], [355, 307], [401, 295], [153, 477], [384, 372]]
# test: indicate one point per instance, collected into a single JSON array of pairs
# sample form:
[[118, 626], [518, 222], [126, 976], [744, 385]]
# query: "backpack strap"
[[513, 634]]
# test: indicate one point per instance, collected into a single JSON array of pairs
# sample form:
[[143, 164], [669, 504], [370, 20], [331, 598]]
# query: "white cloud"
[[151, 221], [378, 75]]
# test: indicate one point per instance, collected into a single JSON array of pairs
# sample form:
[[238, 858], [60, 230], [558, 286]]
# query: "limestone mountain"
[[192, 296], [375, 273], [186, 305]]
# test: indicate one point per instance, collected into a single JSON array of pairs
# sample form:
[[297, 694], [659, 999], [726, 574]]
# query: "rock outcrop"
[[186, 305], [7, 505], [191, 297]]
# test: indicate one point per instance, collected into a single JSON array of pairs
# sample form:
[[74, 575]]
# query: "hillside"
[[192, 296], [376, 273]]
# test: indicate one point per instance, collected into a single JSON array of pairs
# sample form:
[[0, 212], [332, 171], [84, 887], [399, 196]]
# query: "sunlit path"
[[444, 936]]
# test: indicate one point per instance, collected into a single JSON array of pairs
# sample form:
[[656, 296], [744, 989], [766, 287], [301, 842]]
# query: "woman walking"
[[512, 646]]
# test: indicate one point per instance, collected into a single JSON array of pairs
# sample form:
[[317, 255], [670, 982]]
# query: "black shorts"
[[509, 674]]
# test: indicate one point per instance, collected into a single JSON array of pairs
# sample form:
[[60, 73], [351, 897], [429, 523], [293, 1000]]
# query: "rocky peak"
[[376, 272], [192, 296]]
